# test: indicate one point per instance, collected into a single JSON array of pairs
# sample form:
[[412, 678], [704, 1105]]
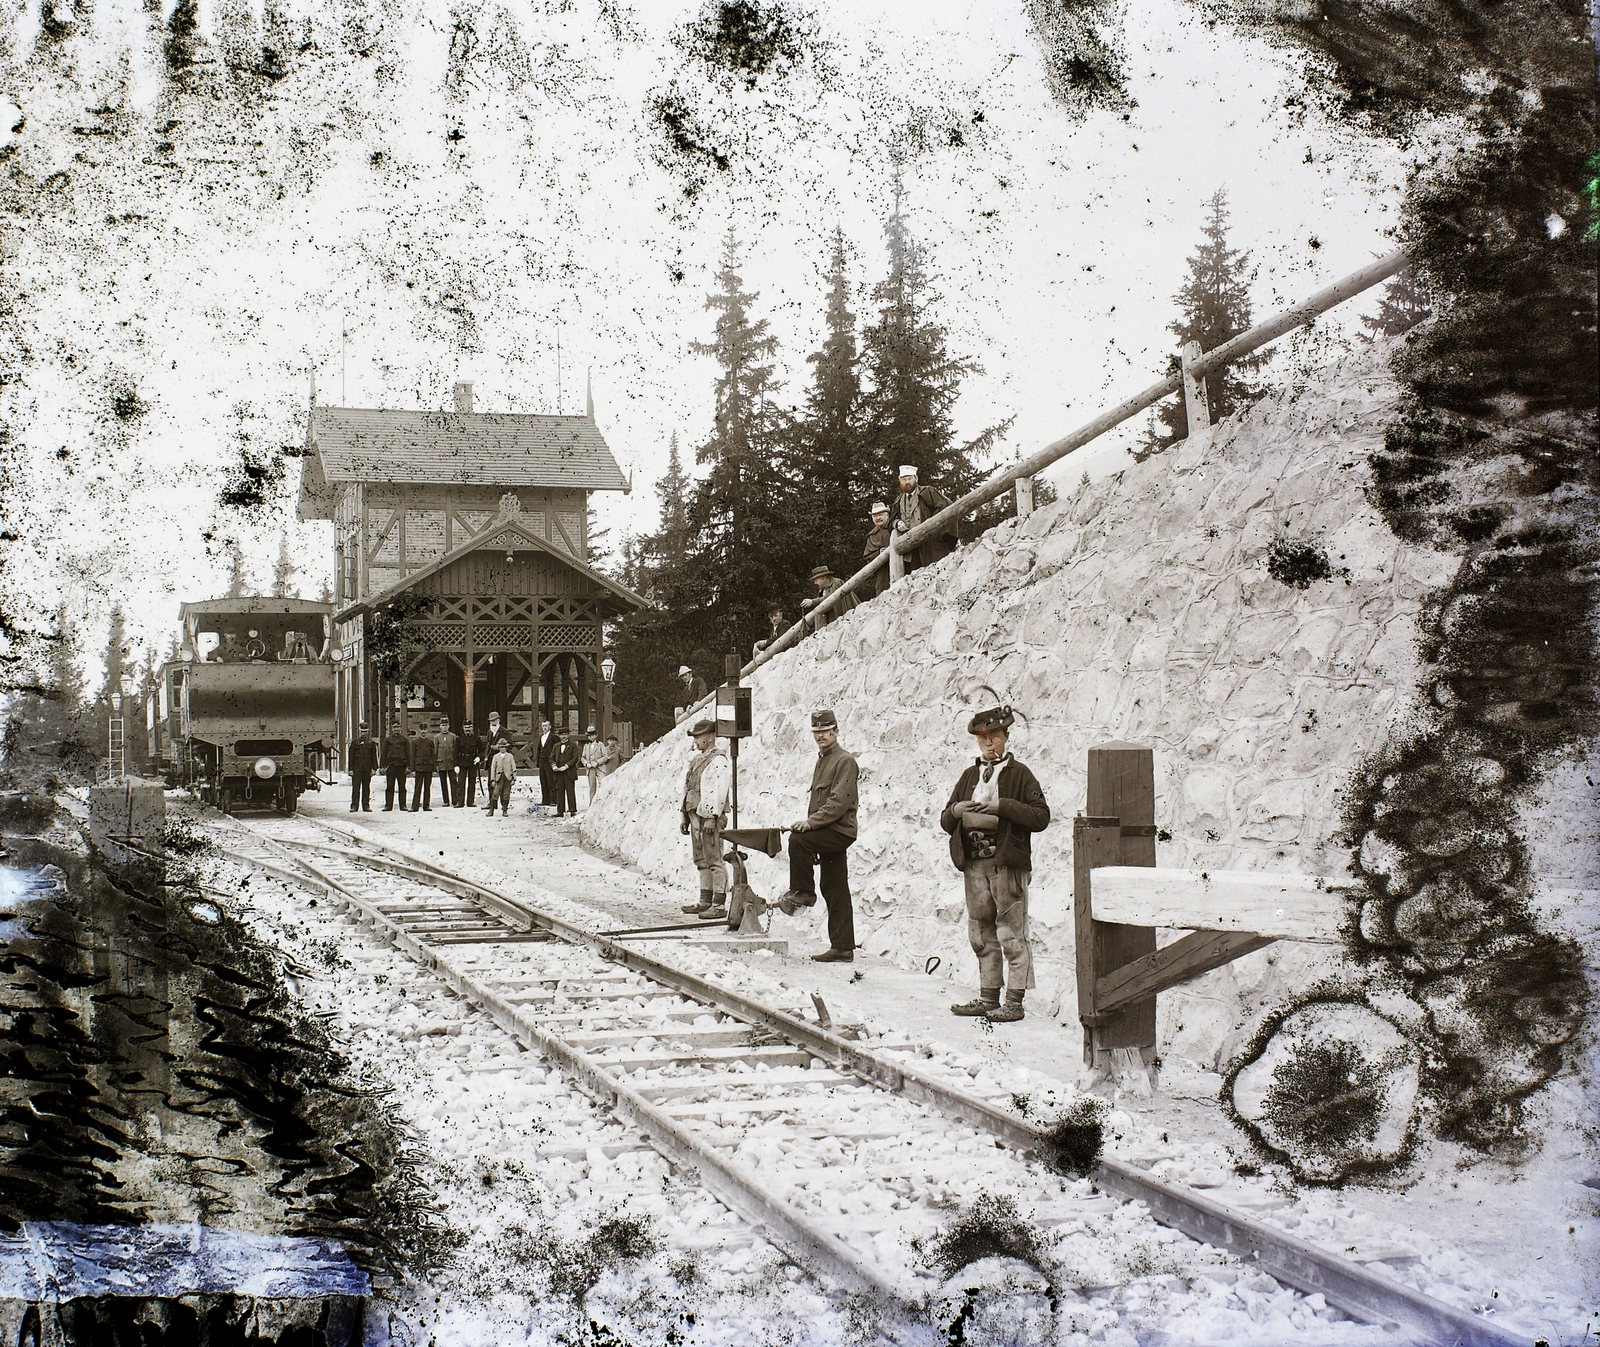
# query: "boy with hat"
[[821, 839], [705, 810], [995, 808], [502, 772]]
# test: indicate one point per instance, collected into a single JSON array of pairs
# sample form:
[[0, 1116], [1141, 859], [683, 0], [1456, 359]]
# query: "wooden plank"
[[1180, 961], [678, 1086], [1285, 907], [1122, 783], [1094, 841]]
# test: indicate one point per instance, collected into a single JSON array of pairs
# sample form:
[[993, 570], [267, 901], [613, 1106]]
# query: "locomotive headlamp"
[[266, 768]]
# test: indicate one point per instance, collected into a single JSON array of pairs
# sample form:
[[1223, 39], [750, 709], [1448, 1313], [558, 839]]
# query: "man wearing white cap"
[[916, 504], [877, 541], [694, 686]]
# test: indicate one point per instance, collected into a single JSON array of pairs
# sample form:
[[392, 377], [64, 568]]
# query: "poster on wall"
[[412, 696]]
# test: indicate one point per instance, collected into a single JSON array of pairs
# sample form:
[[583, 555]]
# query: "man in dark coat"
[[469, 752], [915, 505], [826, 582], [822, 838], [991, 817], [361, 761], [444, 746], [547, 747], [424, 758], [564, 774], [775, 618], [878, 541], [396, 752]]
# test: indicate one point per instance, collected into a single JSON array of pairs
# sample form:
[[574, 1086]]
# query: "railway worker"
[[547, 747], [564, 773], [705, 810], [822, 838], [878, 541], [993, 812], [424, 757], [469, 752], [361, 760], [396, 753], [593, 758], [502, 772], [826, 582], [916, 504], [444, 745]]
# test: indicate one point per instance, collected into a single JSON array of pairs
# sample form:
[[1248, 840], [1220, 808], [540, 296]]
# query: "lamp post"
[[608, 676]]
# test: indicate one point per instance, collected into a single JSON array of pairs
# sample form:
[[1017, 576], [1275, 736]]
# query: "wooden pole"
[[1024, 490], [1095, 843], [1195, 405]]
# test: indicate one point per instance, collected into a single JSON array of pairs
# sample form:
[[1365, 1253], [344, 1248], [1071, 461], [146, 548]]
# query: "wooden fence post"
[[897, 563], [1024, 490], [1195, 406], [1122, 785]]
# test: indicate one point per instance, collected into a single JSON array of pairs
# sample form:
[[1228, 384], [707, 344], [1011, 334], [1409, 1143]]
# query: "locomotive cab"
[[253, 698]]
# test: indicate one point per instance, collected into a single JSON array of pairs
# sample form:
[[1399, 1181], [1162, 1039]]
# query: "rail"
[[1357, 1290], [1190, 378]]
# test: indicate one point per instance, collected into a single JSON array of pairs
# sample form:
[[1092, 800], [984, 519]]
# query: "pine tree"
[[1214, 304], [237, 579], [1402, 306], [672, 544], [283, 571], [117, 663], [912, 379]]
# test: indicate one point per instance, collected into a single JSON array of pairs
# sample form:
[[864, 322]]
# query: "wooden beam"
[[1094, 840], [1284, 907], [1198, 952], [1122, 785]]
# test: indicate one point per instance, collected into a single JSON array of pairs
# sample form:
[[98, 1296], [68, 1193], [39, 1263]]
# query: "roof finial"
[[588, 389]]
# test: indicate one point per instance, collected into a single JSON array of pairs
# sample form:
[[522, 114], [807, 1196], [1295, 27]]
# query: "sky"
[[458, 188]]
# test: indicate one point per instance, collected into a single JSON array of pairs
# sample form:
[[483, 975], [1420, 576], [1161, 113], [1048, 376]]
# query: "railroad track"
[[724, 1086]]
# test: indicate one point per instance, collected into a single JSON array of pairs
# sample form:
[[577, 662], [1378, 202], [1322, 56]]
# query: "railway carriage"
[[246, 712]]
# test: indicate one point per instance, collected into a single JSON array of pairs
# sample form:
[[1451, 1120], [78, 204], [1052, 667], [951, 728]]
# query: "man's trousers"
[[499, 792], [997, 924], [705, 839], [360, 790], [467, 785], [395, 779], [421, 791], [447, 784], [825, 848]]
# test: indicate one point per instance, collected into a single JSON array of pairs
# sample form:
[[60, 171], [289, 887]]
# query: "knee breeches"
[[997, 924], [705, 836]]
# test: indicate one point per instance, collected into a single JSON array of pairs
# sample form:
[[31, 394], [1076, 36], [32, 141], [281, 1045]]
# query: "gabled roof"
[[359, 444], [505, 533]]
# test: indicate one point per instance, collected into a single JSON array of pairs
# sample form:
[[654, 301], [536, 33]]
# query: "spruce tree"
[[672, 541], [237, 579], [283, 571], [117, 663], [1214, 304], [1401, 307]]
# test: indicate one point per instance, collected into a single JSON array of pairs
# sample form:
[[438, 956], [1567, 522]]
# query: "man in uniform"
[[993, 812], [914, 506], [361, 760], [705, 810], [823, 837], [564, 773], [423, 758], [878, 541], [396, 750], [445, 755], [826, 582], [469, 751]]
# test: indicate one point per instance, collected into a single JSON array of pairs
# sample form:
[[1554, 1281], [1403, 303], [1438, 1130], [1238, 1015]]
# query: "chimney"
[[463, 397]]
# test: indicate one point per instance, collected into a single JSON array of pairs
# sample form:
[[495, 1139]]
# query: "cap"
[[908, 469], [824, 720], [702, 727], [878, 507], [361, 724], [683, 669], [817, 572], [995, 718], [466, 724]]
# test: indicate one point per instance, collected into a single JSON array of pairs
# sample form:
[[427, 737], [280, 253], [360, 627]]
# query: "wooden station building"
[[470, 529]]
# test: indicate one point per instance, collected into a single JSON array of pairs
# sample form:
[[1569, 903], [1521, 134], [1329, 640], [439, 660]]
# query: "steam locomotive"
[[247, 711]]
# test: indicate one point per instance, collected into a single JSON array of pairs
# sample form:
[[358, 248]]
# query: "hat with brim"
[[821, 572], [702, 727], [683, 669], [995, 718], [824, 720], [878, 507]]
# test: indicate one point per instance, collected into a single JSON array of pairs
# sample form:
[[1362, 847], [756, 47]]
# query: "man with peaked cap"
[[361, 761], [395, 753], [915, 505], [826, 582], [991, 817], [469, 752], [444, 756], [877, 541], [705, 810], [821, 839]]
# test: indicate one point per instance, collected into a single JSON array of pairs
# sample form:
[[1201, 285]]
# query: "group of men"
[[996, 807], [456, 760]]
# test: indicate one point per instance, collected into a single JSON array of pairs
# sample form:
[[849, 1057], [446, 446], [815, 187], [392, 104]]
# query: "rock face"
[[1145, 607]]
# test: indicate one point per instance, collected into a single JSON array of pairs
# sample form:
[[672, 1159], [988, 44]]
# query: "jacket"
[[493, 740], [423, 754], [1022, 809], [694, 690], [705, 785], [469, 750], [361, 755], [504, 766], [563, 757], [445, 750], [839, 609], [928, 503], [547, 748], [877, 540], [833, 791], [396, 751]]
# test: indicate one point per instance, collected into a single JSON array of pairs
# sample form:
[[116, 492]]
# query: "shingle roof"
[[357, 444]]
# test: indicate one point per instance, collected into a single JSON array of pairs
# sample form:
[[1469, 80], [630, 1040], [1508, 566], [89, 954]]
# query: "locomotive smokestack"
[[463, 397]]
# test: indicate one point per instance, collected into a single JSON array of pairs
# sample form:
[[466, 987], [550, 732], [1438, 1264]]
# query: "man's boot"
[[703, 905], [716, 912], [1010, 1011], [988, 999], [793, 899]]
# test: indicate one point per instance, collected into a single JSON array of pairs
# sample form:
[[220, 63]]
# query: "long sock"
[[990, 996], [1014, 995], [705, 898]]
